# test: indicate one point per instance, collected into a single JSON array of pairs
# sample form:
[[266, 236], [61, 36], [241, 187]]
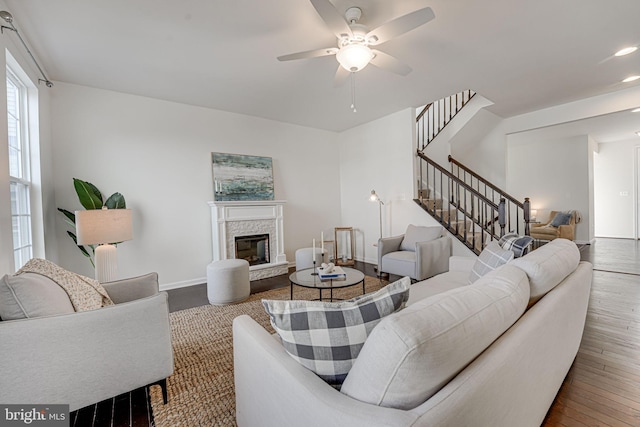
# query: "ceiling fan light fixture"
[[354, 57], [626, 51]]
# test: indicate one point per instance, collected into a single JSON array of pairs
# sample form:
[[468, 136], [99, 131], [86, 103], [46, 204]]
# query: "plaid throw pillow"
[[326, 337], [519, 245], [491, 257]]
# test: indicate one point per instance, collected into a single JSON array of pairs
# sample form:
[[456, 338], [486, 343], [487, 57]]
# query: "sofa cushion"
[[415, 234], [548, 265], [411, 354], [491, 257], [31, 295], [326, 337], [437, 284], [519, 245]]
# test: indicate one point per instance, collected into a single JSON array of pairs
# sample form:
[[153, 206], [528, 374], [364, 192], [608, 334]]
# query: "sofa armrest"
[[432, 257], [462, 263], [272, 388], [86, 357], [567, 232], [133, 288], [387, 245]]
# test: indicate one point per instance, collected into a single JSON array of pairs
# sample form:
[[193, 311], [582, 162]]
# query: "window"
[[19, 170]]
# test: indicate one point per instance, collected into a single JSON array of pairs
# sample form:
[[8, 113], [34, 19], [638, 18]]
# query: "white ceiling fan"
[[354, 50]]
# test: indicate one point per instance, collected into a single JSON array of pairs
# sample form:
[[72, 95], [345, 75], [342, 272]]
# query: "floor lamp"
[[104, 227], [375, 198]]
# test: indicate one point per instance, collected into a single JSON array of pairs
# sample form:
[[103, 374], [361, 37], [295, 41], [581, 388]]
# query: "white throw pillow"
[[491, 257], [31, 295]]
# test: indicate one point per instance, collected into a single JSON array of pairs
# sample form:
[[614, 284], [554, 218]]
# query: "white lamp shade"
[[354, 57], [98, 226]]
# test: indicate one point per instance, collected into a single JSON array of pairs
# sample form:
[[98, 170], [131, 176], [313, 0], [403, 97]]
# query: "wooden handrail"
[[424, 110], [441, 106], [487, 183], [458, 181]]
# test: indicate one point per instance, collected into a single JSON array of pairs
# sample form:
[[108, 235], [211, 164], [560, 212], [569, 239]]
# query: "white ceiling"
[[522, 55]]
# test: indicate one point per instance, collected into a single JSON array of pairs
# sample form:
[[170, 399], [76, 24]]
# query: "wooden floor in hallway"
[[601, 389], [603, 385]]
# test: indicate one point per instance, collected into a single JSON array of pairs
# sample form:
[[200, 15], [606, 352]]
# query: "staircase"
[[467, 205], [435, 116]]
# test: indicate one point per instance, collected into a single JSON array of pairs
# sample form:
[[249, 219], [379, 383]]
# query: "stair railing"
[[469, 215], [518, 212], [435, 116]]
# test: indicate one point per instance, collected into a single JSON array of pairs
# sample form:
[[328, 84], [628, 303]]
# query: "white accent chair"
[[80, 358], [420, 253]]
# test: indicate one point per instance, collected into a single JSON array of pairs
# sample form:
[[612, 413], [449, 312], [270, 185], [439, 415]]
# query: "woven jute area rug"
[[201, 389]]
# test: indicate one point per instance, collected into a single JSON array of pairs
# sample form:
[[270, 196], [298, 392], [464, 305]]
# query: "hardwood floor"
[[603, 385], [601, 389]]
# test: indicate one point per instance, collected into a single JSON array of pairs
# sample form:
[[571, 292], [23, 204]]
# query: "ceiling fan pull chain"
[[353, 92]]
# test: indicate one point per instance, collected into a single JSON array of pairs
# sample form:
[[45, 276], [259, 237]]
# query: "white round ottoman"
[[228, 281], [304, 258]]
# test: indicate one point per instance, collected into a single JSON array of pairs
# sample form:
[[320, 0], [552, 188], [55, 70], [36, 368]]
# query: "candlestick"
[[322, 242], [314, 272]]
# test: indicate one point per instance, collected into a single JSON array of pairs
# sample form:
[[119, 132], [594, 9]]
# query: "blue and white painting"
[[239, 177]]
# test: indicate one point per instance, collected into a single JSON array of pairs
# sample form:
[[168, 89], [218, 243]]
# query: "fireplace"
[[235, 220], [254, 248]]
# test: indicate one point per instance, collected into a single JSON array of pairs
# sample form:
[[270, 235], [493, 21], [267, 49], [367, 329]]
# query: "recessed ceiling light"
[[638, 133], [637, 110], [626, 51], [631, 79]]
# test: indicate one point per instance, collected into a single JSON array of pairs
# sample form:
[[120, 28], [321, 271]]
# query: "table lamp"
[[104, 227]]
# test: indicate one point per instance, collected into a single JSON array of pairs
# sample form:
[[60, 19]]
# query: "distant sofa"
[[57, 356], [491, 353], [555, 227]]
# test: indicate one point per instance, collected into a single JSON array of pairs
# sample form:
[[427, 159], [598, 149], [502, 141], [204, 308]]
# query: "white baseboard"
[[183, 284]]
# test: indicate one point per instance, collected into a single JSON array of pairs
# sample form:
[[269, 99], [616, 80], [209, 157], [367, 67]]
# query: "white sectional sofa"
[[493, 353]]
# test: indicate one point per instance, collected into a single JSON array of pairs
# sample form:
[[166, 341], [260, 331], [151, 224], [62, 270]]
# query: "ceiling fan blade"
[[334, 20], [399, 26], [389, 63], [341, 76], [309, 54]]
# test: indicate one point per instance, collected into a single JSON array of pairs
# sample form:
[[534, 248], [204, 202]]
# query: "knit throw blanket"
[[85, 293]]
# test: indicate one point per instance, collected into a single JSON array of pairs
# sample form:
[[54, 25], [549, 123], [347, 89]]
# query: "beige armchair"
[[420, 253], [549, 232], [80, 358]]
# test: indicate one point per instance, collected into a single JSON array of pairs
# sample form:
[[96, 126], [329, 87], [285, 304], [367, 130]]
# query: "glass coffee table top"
[[306, 279]]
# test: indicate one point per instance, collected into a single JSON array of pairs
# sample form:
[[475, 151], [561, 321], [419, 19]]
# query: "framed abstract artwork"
[[240, 177]]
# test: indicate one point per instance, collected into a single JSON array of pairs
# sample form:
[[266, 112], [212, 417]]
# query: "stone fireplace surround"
[[244, 218]]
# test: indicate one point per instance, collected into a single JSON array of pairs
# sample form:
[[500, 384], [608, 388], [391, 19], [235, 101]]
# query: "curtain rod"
[[8, 18]]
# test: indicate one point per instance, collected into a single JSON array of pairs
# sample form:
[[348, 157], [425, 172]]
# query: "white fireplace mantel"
[[240, 218]]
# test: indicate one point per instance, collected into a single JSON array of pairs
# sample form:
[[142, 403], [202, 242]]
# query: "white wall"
[[614, 198], [554, 174], [481, 146], [158, 155]]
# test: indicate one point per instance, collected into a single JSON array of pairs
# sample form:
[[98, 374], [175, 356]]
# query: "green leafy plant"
[[90, 198]]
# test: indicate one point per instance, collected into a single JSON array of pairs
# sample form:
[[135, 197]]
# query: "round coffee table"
[[306, 279]]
